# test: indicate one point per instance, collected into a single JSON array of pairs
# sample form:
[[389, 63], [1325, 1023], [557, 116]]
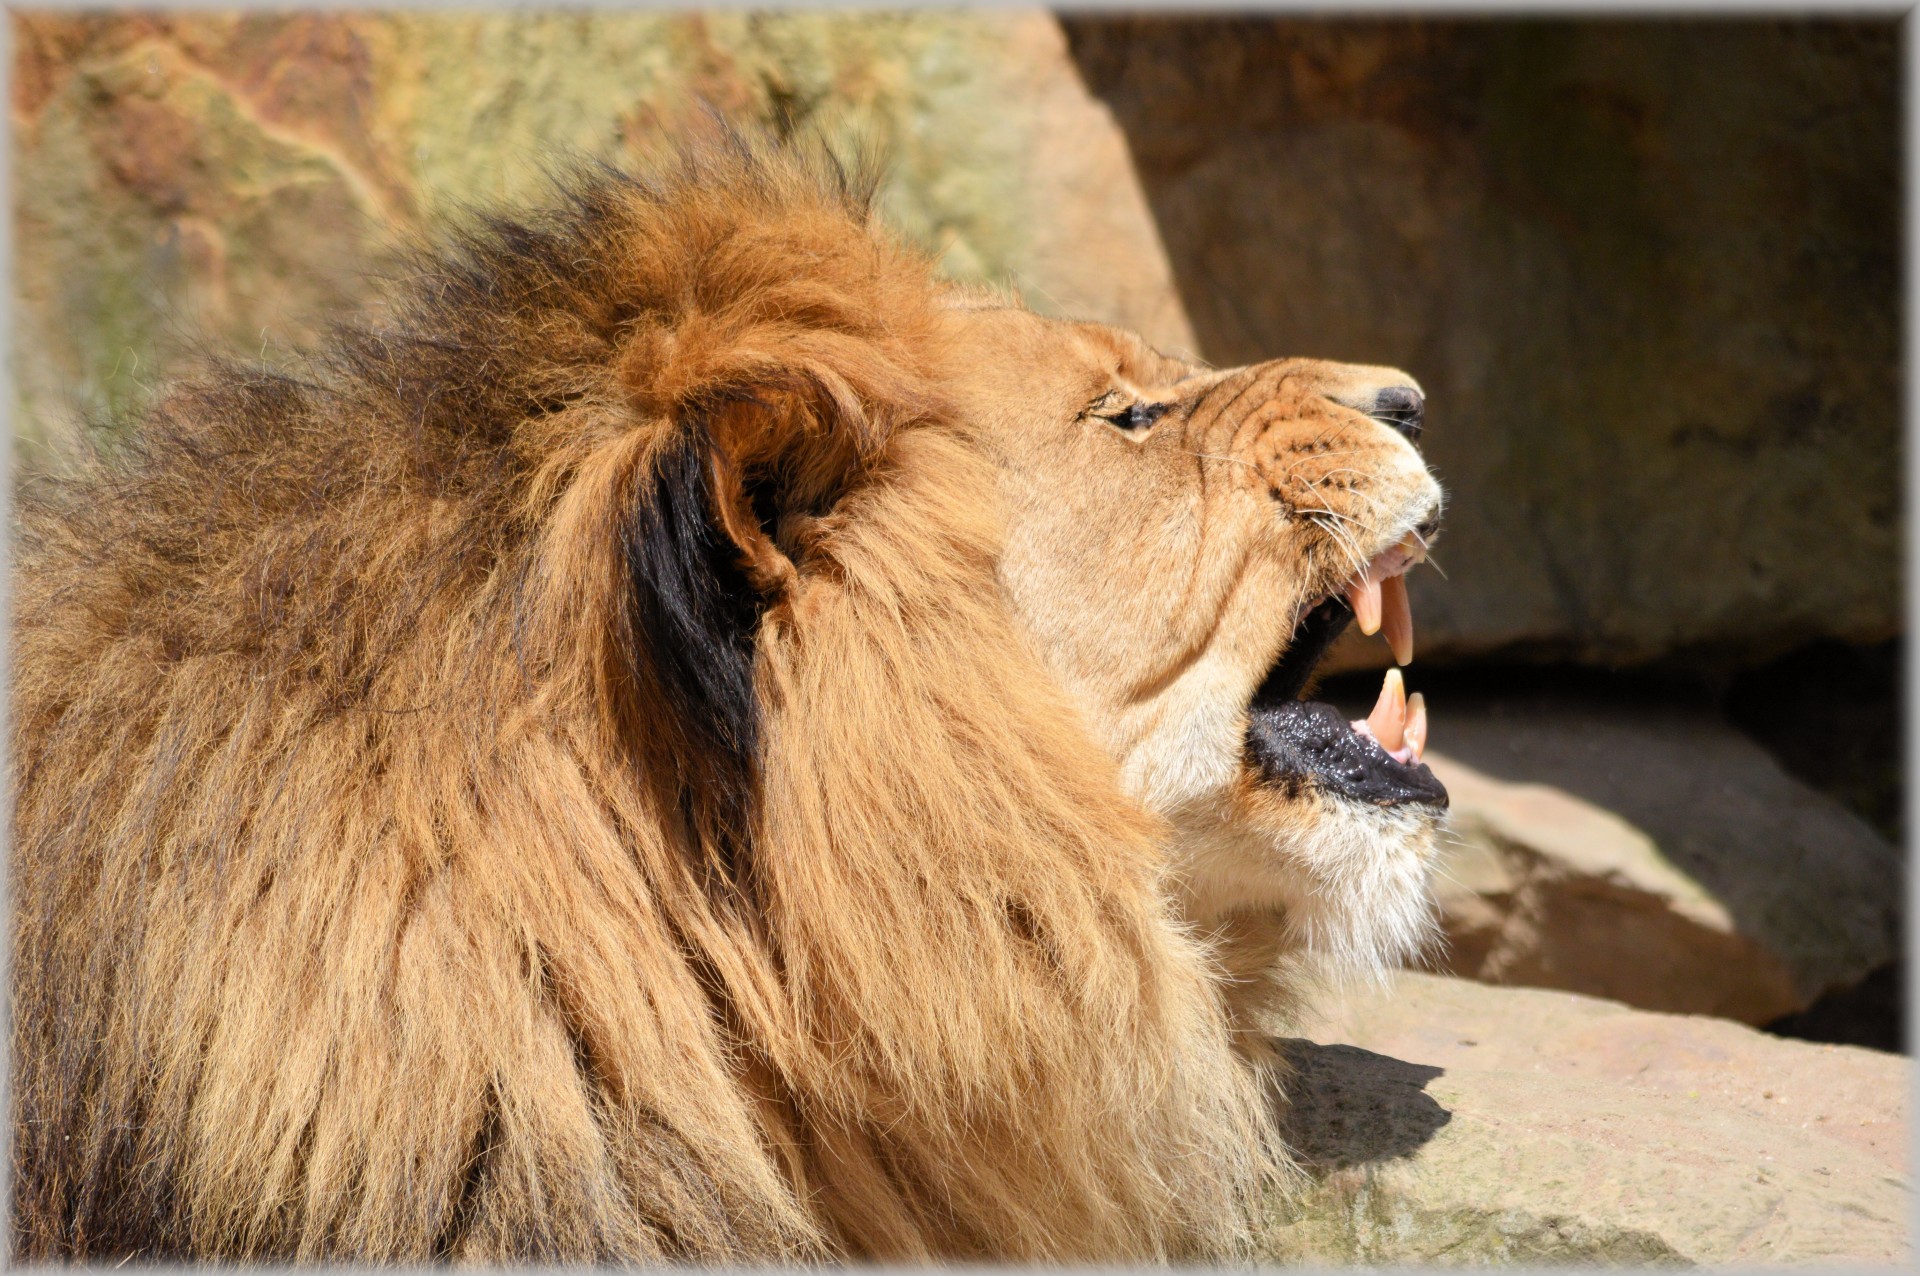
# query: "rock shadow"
[[1344, 1106]]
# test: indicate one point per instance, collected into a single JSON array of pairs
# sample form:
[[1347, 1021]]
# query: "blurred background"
[[1648, 273]]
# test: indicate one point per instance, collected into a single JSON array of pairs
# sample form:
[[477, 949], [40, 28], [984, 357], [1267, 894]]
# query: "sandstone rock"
[[238, 178], [1648, 273], [1651, 854], [1459, 1124], [1540, 888]]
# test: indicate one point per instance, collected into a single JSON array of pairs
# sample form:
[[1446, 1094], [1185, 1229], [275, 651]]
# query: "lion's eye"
[[1123, 413]]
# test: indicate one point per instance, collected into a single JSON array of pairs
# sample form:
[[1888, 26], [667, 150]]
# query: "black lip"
[[1306, 742], [1299, 743]]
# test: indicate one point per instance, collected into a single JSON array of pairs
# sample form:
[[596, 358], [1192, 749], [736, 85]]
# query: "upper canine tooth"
[[1396, 618], [1363, 596]]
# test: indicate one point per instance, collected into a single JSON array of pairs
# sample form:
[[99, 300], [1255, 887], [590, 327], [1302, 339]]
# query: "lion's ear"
[[745, 513], [701, 572], [758, 440]]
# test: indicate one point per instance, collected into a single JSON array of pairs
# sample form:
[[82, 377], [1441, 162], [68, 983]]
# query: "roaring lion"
[[692, 739]]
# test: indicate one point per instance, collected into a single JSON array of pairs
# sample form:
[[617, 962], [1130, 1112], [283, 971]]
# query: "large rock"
[[1648, 272], [1538, 887], [1649, 853], [239, 177], [1449, 1122]]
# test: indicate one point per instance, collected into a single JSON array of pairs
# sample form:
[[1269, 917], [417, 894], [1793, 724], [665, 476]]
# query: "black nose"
[[1401, 407]]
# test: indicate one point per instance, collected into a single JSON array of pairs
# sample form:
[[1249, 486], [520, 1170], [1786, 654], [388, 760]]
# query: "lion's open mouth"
[[1377, 759]]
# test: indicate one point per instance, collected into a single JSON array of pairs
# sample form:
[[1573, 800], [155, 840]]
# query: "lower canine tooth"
[[1388, 721], [1417, 724]]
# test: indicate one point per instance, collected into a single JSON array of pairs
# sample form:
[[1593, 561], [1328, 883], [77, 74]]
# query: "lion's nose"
[[1403, 408]]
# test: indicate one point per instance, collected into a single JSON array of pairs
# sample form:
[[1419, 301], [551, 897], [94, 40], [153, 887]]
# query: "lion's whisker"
[[1344, 539], [1360, 523]]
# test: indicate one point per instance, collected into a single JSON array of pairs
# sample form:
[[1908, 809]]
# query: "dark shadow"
[[1872, 1013], [1345, 1106], [1830, 712]]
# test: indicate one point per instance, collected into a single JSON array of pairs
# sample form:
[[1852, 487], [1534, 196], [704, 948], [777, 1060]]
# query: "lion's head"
[[1183, 544], [692, 740]]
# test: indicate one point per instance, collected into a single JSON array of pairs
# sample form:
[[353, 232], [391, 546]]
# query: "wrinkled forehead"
[[1127, 357], [1080, 349]]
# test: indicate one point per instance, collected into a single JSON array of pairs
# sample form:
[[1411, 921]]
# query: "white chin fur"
[[1360, 898], [1353, 880]]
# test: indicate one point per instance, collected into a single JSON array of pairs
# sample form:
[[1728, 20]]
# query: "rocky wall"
[[236, 180], [1647, 271]]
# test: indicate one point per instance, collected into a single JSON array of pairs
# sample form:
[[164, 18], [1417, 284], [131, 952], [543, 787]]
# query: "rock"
[[1459, 1124], [1871, 1013], [1540, 888], [238, 179], [1649, 853], [1648, 273]]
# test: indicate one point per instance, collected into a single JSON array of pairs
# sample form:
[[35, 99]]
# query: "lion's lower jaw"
[[1363, 906], [1293, 912]]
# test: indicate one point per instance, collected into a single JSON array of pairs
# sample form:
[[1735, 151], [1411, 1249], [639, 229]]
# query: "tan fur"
[[1161, 571], [377, 897]]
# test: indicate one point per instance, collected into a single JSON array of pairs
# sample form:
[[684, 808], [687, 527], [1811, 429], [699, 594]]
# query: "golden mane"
[[556, 779]]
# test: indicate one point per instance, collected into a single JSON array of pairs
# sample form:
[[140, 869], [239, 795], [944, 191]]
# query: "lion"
[[691, 739]]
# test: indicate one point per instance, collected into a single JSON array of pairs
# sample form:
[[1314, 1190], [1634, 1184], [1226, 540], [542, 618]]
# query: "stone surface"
[[1540, 888], [1696, 874], [239, 178], [1455, 1123], [1647, 271], [1647, 852]]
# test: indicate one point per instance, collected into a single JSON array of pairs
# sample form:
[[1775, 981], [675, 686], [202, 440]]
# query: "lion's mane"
[[553, 777]]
